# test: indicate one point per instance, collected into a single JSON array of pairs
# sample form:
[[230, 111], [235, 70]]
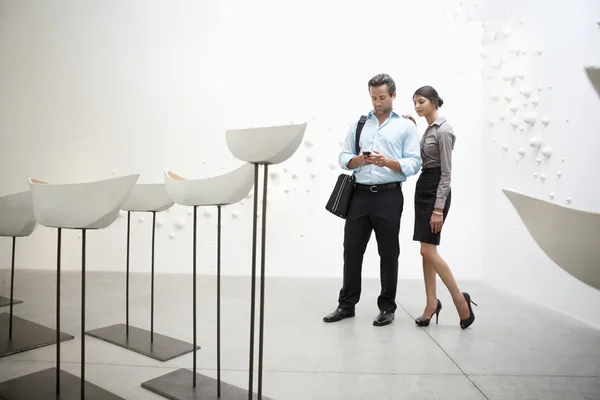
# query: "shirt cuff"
[[440, 203], [405, 166], [345, 159]]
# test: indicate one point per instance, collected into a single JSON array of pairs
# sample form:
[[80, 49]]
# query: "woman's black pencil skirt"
[[425, 196]]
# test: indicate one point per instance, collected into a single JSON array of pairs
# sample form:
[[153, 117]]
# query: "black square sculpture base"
[[5, 301], [177, 385], [26, 336], [42, 386], [163, 348]]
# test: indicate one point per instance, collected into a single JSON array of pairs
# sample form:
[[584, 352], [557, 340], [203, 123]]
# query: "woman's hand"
[[436, 222], [409, 117]]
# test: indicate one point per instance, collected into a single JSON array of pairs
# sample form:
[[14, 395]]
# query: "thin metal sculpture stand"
[[54, 383], [183, 384], [18, 335], [142, 341], [11, 301]]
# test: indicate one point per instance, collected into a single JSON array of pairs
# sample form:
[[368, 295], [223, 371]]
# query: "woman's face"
[[423, 106]]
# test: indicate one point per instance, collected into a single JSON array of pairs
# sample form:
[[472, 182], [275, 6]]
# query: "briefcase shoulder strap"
[[359, 127]]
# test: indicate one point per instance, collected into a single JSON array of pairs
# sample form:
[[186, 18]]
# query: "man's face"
[[381, 99]]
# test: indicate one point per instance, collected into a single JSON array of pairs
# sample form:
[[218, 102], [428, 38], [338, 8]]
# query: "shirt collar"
[[393, 114], [439, 121]]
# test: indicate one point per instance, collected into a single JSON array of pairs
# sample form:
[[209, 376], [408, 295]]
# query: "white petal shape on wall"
[[568, 199], [514, 108], [308, 143], [495, 96], [551, 195], [529, 118], [508, 98], [273, 175], [545, 120], [543, 176], [539, 52], [520, 75], [559, 173], [569, 237], [505, 147], [538, 160], [496, 63], [526, 92], [535, 100], [535, 142], [535, 174], [180, 223], [514, 123], [514, 50], [547, 151], [521, 151]]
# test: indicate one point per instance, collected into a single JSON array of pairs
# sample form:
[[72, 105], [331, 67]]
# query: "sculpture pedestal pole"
[[183, 384], [55, 383], [142, 341], [18, 335]]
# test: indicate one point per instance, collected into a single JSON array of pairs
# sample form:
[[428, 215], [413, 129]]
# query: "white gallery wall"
[[95, 89], [534, 55]]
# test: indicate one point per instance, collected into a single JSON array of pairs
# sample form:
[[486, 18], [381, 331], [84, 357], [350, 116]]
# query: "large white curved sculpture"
[[148, 198], [16, 213], [220, 190], [593, 74], [267, 145], [569, 237], [90, 205]]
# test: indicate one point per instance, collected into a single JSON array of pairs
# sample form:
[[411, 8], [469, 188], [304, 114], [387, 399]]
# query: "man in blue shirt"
[[377, 203]]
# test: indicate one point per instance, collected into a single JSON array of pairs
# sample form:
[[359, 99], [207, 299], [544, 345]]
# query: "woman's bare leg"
[[429, 276], [431, 256]]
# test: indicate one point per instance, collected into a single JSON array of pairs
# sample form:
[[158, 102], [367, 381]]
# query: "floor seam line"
[[447, 355]]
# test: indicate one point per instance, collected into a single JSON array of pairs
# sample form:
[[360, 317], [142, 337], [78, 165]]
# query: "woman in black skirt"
[[432, 203]]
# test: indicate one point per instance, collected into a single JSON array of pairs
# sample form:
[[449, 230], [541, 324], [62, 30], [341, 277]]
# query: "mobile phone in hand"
[[366, 153]]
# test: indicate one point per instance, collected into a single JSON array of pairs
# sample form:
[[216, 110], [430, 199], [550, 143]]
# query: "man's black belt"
[[378, 188]]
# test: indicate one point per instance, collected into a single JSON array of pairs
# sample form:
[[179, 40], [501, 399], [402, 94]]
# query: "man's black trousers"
[[379, 210]]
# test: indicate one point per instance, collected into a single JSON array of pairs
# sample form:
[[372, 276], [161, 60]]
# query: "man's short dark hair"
[[383, 79]]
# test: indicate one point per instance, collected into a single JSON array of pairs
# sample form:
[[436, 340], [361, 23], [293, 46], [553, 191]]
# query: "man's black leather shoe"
[[338, 315], [384, 318]]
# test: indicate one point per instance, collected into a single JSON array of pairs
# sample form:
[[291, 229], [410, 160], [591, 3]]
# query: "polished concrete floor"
[[515, 350]]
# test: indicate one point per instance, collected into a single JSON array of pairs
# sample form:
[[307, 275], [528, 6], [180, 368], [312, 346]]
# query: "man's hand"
[[358, 161], [379, 159]]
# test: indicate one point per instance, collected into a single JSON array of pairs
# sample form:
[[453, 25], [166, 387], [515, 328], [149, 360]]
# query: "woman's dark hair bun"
[[431, 94]]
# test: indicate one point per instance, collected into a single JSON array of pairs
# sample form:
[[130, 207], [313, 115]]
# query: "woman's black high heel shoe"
[[425, 321], [465, 323]]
